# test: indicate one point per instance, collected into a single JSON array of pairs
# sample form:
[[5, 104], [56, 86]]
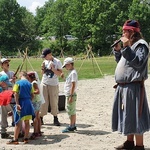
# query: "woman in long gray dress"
[[130, 114]]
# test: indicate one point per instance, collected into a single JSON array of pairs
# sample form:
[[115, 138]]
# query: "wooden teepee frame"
[[91, 55]]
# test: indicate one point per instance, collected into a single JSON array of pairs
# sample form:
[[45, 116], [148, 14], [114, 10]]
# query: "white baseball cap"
[[68, 60], [4, 59]]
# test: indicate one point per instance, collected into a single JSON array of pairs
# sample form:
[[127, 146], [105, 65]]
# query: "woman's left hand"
[[125, 41]]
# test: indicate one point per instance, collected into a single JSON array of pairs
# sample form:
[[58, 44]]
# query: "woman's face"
[[127, 33]]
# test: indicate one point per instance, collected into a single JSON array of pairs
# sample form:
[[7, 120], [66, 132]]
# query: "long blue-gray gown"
[[130, 73]]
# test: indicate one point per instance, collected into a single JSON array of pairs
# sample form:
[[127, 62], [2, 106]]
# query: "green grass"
[[86, 68]]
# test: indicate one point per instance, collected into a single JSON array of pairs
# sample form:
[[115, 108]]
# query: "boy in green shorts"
[[70, 93]]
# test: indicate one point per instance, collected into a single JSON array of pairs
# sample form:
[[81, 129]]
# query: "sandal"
[[33, 136], [25, 140], [15, 142], [40, 133]]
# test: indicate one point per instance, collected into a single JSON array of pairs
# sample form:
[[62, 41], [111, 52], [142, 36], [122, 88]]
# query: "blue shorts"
[[37, 105]]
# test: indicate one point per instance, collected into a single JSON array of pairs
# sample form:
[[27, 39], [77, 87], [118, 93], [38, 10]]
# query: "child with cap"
[[5, 95], [4, 62], [70, 93], [4, 82]]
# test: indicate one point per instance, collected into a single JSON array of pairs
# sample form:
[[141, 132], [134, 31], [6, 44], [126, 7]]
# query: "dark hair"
[[31, 75], [72, 63], [45, 52], [135, 37]]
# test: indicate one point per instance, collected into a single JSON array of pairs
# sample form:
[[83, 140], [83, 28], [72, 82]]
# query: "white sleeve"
[[73, 77], [59, 65]]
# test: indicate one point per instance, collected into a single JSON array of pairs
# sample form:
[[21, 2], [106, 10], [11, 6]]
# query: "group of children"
[[28, 101]]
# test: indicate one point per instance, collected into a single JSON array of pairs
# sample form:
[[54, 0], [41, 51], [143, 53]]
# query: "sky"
[[31, 5]]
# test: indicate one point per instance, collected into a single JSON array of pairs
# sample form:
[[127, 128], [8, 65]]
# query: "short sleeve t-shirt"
[[72, 77], [24, 88], [54, 79]]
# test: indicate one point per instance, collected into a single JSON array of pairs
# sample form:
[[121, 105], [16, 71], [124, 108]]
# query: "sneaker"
[[56, 122], [69, 129], [10, 113], [128, 145], [4, 135], [15, 142]]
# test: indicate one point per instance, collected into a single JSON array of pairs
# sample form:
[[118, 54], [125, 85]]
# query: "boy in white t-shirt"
[[70, 93]]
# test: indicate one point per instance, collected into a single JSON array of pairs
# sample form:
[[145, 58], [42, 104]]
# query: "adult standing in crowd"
[[51, 69], [131, 114], [6, 109]]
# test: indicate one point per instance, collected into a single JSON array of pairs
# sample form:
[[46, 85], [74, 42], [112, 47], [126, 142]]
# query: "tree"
[[16, 27], [53, 21], [140, 10], [97, 22], [94, 22], [10, 24], [28, 32]]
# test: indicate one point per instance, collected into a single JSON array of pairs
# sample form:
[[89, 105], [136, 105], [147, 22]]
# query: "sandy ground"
[[94, 107]]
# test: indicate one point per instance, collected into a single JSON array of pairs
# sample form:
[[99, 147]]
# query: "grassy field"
[[86, 68]]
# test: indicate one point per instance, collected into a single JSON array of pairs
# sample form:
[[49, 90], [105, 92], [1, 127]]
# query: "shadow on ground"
[[93, 132], [48, 139]]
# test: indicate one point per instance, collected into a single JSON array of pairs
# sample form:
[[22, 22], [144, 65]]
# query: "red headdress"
[[131, 25]]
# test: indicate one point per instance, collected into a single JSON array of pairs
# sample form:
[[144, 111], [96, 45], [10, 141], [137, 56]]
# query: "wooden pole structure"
[[89, 52]]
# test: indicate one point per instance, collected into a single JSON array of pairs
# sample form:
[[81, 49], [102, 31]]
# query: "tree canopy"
[[94, 22]]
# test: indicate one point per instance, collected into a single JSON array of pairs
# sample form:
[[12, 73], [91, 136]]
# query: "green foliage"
[[17, 28], [10, 24], [141, 11], [95, 22]]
